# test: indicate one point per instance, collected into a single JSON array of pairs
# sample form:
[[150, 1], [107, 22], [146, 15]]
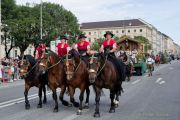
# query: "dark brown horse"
[[77, 76], [53, 65], [29, 71], [103, 74]]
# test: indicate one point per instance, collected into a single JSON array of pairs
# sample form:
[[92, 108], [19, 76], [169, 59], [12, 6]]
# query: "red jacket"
[[39, 50], [82, 46], [111, 43], [62, 51]]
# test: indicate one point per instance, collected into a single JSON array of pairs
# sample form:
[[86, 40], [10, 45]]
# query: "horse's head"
[[70, 63], [24, 65], [44, 62], [93, 67]]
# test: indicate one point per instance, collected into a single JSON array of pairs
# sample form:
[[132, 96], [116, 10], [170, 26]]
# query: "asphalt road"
[[144, 98]]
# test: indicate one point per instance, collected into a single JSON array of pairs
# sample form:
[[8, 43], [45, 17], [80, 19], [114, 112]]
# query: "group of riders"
[[106, 68]]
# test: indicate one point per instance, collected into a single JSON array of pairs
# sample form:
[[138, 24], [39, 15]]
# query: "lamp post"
[[41, 20]]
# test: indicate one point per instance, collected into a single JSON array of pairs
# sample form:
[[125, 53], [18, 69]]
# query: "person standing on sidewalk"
[[1, 74]]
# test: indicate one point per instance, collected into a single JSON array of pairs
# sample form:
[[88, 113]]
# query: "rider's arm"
[[114, 48], [101, 50]]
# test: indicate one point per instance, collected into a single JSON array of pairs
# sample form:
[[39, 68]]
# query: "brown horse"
[[29, 71], [103, 74], [53, 65], [77, 76]]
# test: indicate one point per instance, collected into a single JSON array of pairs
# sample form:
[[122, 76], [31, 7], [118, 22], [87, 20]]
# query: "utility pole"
[[41, 20]]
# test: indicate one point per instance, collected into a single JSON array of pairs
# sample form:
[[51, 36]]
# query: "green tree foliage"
[[145, 41], [24, 23]]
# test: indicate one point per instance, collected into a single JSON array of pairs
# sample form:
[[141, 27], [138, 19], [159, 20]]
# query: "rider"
[[109, 47], [40, 50], [62, 48], [83, 47]]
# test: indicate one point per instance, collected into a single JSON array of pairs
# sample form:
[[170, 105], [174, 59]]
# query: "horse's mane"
[[75, 53], [53, 54], [31, 59]]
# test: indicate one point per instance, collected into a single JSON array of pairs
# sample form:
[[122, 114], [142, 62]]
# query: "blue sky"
[[163, 14]]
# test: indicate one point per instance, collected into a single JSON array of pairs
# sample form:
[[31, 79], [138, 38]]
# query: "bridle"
[[28, 73], [99, 69], [49, 62]]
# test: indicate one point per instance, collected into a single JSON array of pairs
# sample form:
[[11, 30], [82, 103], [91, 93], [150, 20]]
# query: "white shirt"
[[149, 61]]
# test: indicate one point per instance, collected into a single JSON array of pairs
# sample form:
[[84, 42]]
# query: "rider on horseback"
[[40, 50], [109, 48], [63, 47], [83, 47]]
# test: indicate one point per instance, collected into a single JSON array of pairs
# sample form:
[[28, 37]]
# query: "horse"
[[77, 77], [29, 71], [52, 64], [103, 74]]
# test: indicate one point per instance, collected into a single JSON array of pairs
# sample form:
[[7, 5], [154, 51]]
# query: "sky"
[[163, 14]]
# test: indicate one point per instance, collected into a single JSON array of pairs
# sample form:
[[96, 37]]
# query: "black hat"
[[82, 36], [63, 37], [108, 33]]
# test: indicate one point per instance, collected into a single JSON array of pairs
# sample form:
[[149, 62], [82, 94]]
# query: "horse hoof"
[[79, 112], [27, 106], [116, 105], [86, 106], [112, 111], [65, 103], [76, 104], [70, 105], [55, 110], [96, 114], [39, 106]]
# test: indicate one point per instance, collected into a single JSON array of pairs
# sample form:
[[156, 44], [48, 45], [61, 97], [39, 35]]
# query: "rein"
[[31, 69], [102, 66]]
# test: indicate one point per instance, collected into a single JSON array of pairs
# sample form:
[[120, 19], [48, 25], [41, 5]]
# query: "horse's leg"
[[55, 99], [97, 99], [27, 87], [112, 96], [44, 91], [81, 98], [40, 97], [87, 98], [61, 97], [116, 100], [71, 92]]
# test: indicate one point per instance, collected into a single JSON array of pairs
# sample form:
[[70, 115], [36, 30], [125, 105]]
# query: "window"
[[89, 39], [15, 53], [94, 32], [122, 31], [140, 30], [135, 30], [128, 31], [89, 33], [117, 31]]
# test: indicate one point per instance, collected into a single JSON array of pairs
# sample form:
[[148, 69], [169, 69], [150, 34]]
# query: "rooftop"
[[117, 23]]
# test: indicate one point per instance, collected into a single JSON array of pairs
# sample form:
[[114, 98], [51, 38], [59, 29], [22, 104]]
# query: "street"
[[144, 98]]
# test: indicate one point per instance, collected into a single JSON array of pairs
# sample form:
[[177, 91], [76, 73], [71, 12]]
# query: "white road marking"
[[135, 82], [20, 100], [162, 82], [171, 68], [158, 80]]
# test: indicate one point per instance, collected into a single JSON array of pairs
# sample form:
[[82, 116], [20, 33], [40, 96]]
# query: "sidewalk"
[[11, 84]]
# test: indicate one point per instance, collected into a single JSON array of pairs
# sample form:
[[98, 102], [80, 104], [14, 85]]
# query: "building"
[[132, 28]]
